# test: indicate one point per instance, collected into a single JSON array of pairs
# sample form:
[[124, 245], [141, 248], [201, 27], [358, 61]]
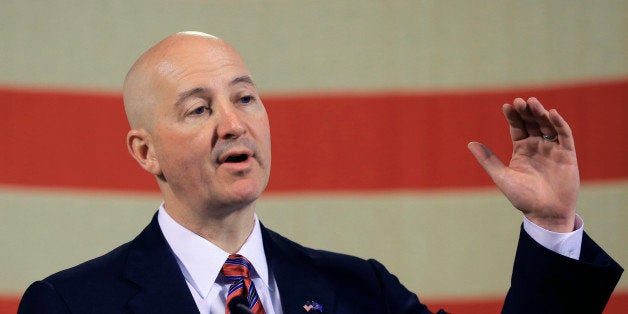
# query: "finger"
[[541, 116], [491, 164], [565, 136], [517, 126], [531, 126]]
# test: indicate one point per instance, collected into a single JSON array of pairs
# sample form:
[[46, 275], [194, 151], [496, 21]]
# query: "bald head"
[[192, 105], [161, 64]]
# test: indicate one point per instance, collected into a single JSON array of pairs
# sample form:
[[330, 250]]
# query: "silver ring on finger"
[[550, 138]]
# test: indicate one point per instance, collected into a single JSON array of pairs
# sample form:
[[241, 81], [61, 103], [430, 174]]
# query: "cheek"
[[264, 142], [181, 155], [263, 127]]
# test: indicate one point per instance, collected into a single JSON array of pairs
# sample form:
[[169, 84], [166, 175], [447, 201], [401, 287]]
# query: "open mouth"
[[237, 158]]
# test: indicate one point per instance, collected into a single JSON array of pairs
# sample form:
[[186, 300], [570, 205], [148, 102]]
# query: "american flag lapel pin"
[[311, 305]]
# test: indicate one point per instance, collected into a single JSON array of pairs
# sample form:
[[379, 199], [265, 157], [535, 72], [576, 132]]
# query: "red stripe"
[[618, 304], [383, 141], [8, 305]]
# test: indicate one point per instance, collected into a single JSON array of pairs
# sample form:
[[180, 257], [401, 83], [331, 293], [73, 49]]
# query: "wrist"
[[555, 224], [567, 244]]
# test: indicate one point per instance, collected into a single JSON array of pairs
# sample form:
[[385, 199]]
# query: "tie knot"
[[236, 267]]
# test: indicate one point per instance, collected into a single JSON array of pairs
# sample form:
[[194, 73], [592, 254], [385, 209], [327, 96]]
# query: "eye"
[[199, 110], [246, 99]]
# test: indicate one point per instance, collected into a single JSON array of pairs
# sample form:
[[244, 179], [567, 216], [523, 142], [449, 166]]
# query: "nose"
[[230, 125]]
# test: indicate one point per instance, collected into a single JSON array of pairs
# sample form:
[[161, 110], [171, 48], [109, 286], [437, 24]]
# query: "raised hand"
[[542, 177]]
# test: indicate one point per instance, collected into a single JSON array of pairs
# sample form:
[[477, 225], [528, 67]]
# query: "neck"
[[227, 228]]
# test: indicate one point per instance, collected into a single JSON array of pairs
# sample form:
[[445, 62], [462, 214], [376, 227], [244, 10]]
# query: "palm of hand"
[[542, 177], [541, 182]]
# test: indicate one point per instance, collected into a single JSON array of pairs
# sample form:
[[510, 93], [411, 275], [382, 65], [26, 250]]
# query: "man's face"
[[211, 135]]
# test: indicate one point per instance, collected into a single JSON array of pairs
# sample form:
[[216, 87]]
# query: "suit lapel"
[[297, 276], [152, 266], [162, 288]]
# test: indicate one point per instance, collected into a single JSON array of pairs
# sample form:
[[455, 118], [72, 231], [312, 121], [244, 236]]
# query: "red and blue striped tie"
[[236, 269]]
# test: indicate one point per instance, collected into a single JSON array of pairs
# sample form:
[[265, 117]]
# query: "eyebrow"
[[189, 93], [202, 90], [243, 79]]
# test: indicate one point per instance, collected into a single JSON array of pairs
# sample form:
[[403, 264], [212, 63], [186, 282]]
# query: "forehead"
[[199, 61], [192, 63]]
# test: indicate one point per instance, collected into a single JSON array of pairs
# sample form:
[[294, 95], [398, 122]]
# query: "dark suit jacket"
[[142, 276]]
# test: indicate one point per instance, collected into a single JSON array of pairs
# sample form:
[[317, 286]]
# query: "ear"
[[140, 145]]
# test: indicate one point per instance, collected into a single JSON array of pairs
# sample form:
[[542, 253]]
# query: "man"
[[199, 126]]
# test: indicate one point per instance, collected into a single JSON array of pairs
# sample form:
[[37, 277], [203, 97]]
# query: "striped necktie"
[[236, 269]]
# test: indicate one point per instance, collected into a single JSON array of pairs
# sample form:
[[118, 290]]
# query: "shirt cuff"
[[566, 244]]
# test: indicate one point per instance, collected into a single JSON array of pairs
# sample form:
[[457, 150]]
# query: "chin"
[[245, 194]]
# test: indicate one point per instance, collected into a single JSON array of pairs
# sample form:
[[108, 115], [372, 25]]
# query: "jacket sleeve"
[[547, 282], [41, 297]]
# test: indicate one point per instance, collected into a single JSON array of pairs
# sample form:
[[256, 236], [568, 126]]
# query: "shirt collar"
[[201, 261]]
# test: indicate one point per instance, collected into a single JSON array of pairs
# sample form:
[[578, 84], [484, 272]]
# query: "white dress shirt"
[[566, 244], [201, 261]]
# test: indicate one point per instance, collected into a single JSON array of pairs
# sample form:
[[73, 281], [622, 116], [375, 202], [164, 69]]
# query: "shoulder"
[[105, 267], [321, 258], [350, 277], [106, 270], [101, 283], [92, 281], [93, 275]]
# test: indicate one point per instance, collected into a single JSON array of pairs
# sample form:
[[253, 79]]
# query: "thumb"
[[491, 164]]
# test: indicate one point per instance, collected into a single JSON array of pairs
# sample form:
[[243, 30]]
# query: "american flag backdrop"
[[371, 105]]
